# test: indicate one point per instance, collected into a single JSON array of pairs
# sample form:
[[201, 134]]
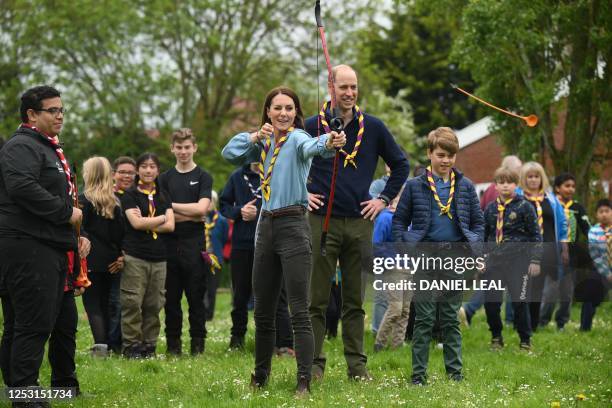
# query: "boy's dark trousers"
[[186, 271], [511, 270], [447, 303]]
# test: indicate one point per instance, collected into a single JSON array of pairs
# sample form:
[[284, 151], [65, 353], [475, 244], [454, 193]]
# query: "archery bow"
[[336, 124]]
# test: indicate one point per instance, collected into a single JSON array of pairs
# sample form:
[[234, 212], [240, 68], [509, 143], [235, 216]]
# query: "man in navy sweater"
[[350, 229]]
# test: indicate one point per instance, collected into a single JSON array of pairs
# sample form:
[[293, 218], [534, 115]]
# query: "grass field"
[[565, 369]]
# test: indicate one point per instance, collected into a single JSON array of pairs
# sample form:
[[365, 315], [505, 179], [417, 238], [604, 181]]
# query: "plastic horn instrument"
[[531, 120]]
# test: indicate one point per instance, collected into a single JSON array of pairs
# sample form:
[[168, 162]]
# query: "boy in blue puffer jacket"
[[442, 207]]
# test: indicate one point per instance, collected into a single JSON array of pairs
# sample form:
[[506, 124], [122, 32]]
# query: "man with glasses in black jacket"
[[37, 221]]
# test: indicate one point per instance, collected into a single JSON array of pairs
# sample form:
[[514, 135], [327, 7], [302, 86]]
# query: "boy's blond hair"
[[444, 138]]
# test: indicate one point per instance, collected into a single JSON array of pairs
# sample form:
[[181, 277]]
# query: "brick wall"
[[479, 160]]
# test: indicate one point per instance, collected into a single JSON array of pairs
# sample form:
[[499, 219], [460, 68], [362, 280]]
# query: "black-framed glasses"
[[126, 173], [53, 111]]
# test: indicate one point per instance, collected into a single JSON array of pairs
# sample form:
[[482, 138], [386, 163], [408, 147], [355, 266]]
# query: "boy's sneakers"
[[133, 352], [100, 351], [378, 347], [457, 377], [236, 343], [418, 381], [258, 383], [525, 346], [497, 343]]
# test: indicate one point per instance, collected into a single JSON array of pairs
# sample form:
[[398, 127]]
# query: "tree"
[[16, 67], [412, 55], [546, 57]]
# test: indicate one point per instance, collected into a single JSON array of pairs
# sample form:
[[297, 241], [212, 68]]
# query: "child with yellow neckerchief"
[[562, 290], [442, 208], [509, 221]]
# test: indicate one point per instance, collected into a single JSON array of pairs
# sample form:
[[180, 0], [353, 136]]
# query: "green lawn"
[[561, 367]]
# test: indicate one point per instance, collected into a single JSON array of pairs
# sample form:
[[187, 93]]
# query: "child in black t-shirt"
[[189, 190], [511, 223], [149, 214]]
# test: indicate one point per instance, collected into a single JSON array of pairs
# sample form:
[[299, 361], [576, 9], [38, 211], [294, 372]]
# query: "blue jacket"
[[218, 235], [414, 209], [235, 195]]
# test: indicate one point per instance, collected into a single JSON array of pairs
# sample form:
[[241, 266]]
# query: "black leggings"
[[96, 302], [283, 257]]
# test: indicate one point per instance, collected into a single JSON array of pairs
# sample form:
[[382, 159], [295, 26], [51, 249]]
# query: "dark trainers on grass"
[[497, 343], [378, 347], [197, 345], [457, 377], [133, 352], [174, 346], [363, 376], [303, 387], [236, 343], [525, 346], [418, 380], [258, 383]]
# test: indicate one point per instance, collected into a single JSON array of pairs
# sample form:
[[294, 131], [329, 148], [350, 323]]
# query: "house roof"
[[474, 132]]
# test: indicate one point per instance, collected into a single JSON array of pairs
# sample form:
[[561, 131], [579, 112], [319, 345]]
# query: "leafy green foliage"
[[550, 58], [412, 55]]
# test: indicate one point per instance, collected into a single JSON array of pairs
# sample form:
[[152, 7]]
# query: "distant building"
[[481, 153]]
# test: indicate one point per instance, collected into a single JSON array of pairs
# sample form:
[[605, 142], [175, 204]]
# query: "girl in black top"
[[103, 221], [149, 214]]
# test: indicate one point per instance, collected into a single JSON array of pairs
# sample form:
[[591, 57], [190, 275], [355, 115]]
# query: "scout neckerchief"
[[537, 199], [499, 230], [444, 209], [150, 195], [60, 155], [117, 190], [255, 191], [267, 178], [571, 220], [349, 158], [208, 227], [59, 152]]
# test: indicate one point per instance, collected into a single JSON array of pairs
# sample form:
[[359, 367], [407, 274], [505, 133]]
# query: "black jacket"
[[34, 200], [520, 225]]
